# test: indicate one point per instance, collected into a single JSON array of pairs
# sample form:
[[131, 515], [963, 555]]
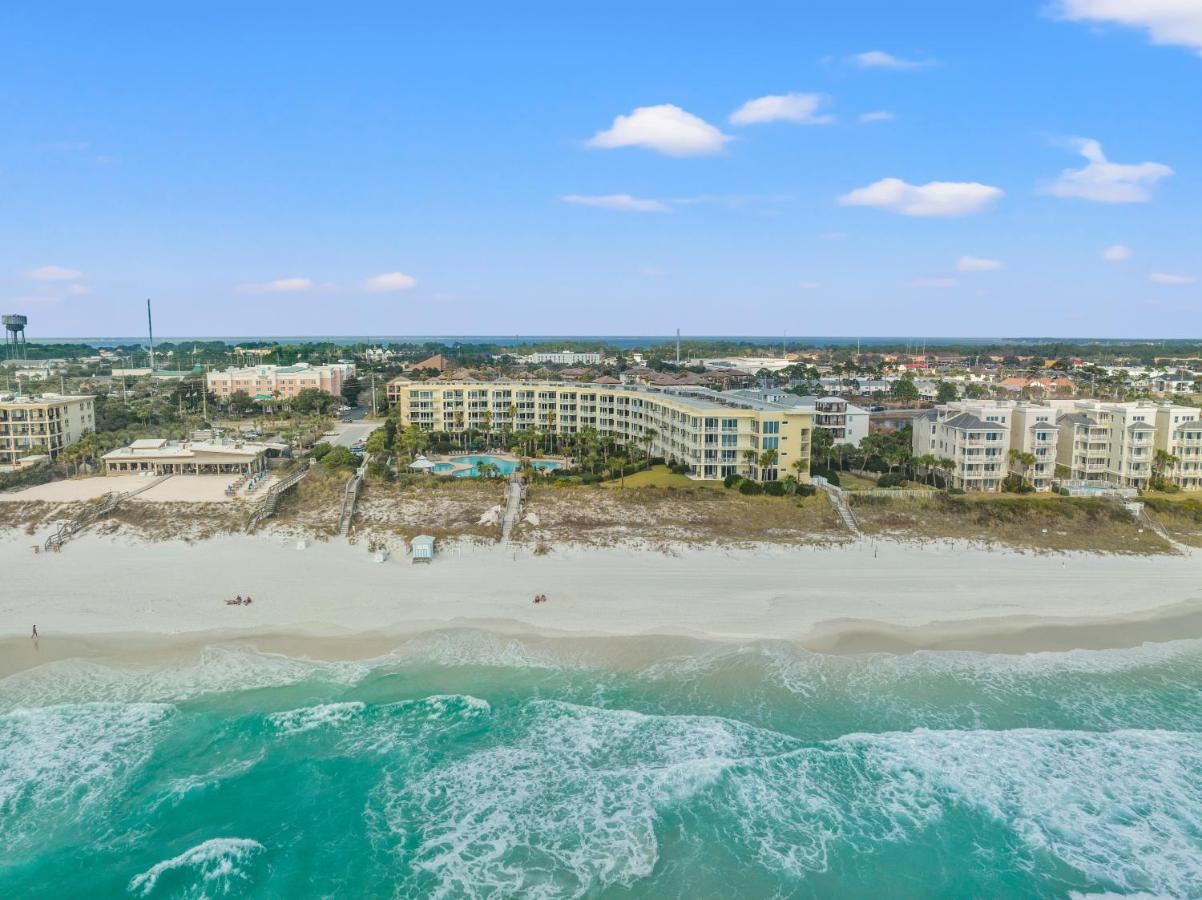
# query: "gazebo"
[[421, 464]]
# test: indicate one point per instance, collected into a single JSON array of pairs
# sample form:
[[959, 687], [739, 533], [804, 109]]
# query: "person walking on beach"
[[34, 636]]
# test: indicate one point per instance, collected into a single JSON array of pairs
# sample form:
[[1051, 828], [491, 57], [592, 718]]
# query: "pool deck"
[[465, 462]]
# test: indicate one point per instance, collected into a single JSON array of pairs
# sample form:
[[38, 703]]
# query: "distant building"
[[562, 358], [438, 363], [45, 424], [270, 382], [163, 457]]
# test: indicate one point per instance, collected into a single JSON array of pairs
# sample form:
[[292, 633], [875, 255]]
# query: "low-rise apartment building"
[[163, 457], [978, 437], [1116, 443], [562, 358], [714, 434], [42, 424], [273, 382]]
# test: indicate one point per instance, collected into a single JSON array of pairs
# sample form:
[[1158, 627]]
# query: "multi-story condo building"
[[271, 382], [846, 422], [563, 357], [1116, 443], [45, 424], [978, 437], [713, 433]]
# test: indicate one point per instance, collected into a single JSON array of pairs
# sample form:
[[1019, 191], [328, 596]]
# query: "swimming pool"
[[504, 466]]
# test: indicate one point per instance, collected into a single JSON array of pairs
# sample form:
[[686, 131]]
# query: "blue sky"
[[928, 168]]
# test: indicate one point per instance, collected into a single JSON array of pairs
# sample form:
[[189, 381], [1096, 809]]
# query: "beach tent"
[[421, 464], [423, 548]]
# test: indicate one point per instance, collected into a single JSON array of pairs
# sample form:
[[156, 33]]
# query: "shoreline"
[[331, 600], [850, 637]]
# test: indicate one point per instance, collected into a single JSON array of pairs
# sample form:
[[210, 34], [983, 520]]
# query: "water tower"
[[14, 336]]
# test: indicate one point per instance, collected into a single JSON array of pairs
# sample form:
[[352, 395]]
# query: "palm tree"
[[648, 438], [768, 459], [1162, 464], [948, 466], [749, 457], [550, 418], [618, 464], [801, 467]]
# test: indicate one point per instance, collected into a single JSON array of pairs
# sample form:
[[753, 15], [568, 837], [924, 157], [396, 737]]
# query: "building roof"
[[161, 448], [437, 361], [968, 420], [1141, 426], [1042, 425]]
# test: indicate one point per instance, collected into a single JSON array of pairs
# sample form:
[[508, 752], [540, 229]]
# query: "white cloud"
[[1116, 253], [879, 115], [1105, 182], [1169, 278], [389, 281], [800, 109], [809, 285], [879, 59], [938, 283], [935, 198], [1165, 21], [977, 264], [619, 202], [666, 129], [53, 273], [279, 286]]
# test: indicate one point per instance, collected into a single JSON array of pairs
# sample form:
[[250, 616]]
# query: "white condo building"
[[979, 435], [563, 357], [1116, 443]]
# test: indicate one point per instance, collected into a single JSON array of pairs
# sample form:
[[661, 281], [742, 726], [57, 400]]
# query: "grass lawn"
[[855, 483], [660, 476]]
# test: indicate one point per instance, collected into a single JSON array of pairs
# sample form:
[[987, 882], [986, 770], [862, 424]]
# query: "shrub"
[[774, 489], [320, 450], [956, 490], [339, 458], [750, 488], [891, 479], [732, 481], [591, 478], [829, 474]]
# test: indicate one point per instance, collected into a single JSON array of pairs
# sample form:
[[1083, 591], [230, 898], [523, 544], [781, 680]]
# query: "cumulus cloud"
[[977, 264], [879, 59], [937, 283], [1116, 253], [1103, 181], [1170, 278], [666, 129], [800, 109], [279, 286], [618, 202], [53, 273], [935, 198], [389, 281], [878, 115], [1166, 21]]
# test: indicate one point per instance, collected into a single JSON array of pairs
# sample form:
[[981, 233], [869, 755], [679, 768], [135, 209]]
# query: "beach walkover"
[[513, 506]]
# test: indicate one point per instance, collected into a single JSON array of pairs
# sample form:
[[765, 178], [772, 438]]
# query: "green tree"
[[904, 389], [351, 389], [946, 392]]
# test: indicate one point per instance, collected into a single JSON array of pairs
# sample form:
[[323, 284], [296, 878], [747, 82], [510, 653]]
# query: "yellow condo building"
[[42, 425], [714, 434]]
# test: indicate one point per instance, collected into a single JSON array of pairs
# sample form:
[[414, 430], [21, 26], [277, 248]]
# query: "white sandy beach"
[[872, 595], [190, 489]]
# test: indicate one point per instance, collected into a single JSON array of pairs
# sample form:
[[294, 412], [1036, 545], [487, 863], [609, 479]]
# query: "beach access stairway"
[[350, 495], [66, 530], [838, 498], [271, 499], [513, 506]]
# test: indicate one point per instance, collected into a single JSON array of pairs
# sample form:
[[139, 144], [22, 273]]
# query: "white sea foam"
[[216, 670], [218, 865], [419, 724], [296, 721], [569, 806], [58, 764]]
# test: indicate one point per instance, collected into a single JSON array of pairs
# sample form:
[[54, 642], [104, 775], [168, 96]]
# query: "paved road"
[[349, 433]]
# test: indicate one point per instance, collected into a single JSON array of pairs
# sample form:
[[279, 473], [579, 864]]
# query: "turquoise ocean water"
[[465, 764]]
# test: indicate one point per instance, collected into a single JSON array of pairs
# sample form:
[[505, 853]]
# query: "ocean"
[[465, 764]]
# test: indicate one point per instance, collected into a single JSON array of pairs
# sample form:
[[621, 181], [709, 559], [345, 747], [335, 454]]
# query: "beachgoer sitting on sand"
[[247, 600]]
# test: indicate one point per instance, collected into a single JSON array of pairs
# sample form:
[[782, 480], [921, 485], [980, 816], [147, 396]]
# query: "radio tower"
[[150, 330]]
